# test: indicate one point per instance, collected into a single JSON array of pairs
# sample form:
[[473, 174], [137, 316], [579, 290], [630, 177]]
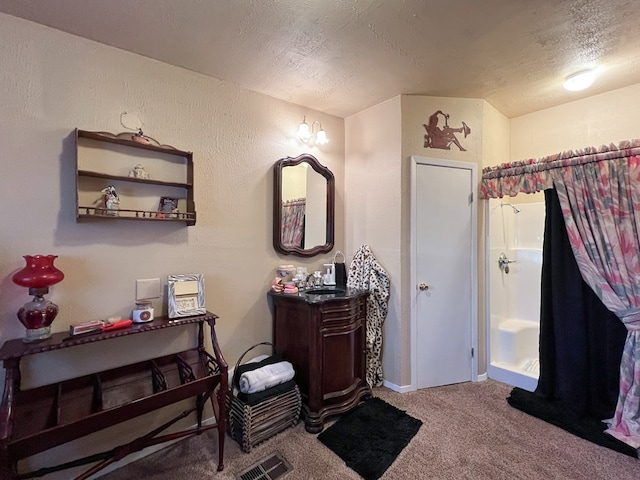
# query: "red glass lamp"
[[38, 314]]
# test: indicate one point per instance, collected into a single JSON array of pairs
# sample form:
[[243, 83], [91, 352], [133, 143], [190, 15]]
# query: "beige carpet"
[[469, 432]]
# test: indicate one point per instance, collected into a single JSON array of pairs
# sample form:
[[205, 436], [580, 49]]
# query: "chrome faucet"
[[503, 262], [308, 285]]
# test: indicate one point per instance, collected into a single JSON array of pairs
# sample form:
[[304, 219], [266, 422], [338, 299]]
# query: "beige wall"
[[592, 122], [372, 195], [379, 144], [52, 83], [599, 120]]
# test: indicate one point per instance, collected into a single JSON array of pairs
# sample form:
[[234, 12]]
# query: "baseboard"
[[397, 388], [410, 388]]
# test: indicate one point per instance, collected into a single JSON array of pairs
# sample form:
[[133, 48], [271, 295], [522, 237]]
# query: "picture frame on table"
[[185, 295]]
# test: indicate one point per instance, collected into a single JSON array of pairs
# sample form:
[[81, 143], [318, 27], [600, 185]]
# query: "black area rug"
[[552, 412], [370, 437]]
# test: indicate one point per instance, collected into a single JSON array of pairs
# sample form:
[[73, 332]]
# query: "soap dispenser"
[[330, 275]]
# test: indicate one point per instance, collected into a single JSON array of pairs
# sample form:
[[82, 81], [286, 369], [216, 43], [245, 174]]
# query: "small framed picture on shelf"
[[168, 207]]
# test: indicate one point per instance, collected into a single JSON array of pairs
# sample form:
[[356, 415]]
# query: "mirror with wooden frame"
[[303, 206]]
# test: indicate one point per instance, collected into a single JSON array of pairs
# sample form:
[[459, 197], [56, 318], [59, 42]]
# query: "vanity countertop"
[[321, 294]]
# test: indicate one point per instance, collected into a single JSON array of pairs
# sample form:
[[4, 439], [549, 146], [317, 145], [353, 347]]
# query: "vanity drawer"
[[341, 312]]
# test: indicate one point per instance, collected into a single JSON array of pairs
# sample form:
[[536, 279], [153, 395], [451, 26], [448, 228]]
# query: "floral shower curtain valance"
[[531, 176]]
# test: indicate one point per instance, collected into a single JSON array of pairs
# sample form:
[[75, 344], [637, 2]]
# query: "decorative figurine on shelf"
[[139, 172], [111, 201]]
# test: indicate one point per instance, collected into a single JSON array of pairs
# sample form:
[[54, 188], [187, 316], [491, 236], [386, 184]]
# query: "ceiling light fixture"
[[580, 80], [305, 132]]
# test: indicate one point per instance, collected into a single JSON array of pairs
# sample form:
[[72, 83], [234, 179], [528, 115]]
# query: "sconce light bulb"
[[304, 133], [321, 138]]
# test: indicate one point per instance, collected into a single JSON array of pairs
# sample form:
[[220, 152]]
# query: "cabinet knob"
[[423, 286]]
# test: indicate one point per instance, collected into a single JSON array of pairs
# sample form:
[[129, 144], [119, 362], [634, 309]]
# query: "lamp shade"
[[39, 272], [304, 132], [321, 138]]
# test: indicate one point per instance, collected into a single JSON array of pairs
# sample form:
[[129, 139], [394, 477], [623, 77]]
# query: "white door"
[[444, 271]]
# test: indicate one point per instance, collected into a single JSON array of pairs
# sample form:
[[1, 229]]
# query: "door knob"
[[423, 286]]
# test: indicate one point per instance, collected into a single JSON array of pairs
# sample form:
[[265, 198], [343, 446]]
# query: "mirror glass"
[[185, 295], [303, 206]]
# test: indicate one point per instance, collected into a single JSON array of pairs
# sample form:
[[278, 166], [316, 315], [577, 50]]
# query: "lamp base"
[[37, 316], [37, 334]]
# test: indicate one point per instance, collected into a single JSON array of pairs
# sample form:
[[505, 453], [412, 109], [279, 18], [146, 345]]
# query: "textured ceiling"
[[342, 56]]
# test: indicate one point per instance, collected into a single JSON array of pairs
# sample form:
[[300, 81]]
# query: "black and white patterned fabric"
[[366, 273]]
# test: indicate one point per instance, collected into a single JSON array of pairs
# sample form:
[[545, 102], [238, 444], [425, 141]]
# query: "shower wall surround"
[[514, 293]]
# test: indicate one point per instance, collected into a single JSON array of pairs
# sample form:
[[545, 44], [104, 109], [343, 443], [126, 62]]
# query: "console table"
[[37, 419]]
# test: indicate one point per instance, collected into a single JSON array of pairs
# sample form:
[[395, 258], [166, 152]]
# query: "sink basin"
[[324, 291]]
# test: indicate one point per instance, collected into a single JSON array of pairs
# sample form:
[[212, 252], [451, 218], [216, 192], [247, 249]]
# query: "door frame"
[[473, 169]]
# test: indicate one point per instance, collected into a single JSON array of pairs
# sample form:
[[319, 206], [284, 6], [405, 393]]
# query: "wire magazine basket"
[[251, 423]]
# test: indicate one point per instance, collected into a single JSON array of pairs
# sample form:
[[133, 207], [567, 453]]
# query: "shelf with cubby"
[[104, 159]]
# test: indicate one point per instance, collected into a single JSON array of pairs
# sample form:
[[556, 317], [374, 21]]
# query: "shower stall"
[[513, 274]]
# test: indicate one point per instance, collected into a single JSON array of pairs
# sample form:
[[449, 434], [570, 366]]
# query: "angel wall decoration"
[[443, 137]]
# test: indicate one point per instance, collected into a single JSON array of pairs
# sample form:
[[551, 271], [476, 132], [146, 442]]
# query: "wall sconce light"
[[305, 133]]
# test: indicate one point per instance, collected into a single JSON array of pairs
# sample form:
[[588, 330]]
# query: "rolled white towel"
[[257, 359], [266, 377]]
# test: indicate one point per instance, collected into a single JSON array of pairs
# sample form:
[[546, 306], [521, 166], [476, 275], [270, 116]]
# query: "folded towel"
[[252, 399], [255, 360], [266, 377]]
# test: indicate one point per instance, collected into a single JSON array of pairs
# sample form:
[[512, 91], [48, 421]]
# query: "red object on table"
[[117, 325]]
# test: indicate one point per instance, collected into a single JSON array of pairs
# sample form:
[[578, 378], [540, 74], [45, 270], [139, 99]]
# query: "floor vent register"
[[271, 468]]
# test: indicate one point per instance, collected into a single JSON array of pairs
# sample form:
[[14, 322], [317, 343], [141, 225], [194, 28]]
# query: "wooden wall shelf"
[[88, 173], [104, 159]]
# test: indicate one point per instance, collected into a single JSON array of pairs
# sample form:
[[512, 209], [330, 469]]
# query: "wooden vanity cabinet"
[[324, 337]]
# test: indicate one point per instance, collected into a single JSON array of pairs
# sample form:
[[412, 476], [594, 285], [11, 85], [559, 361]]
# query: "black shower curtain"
[[581, 343]]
